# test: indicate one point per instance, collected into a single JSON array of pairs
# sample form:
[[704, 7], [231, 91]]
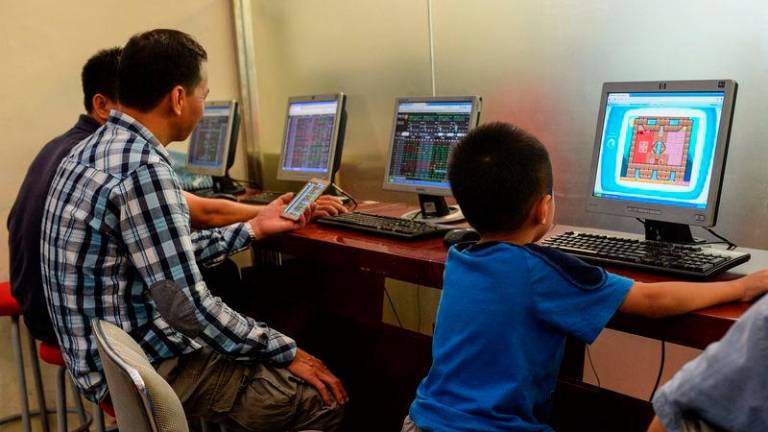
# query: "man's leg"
[[247, 396], [409, 425]]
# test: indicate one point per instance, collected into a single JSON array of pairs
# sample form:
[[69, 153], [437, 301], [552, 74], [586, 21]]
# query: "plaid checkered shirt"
[[116, 235]]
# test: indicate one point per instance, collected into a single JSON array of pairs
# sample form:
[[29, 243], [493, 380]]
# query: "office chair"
[[10, 307], [142, 399]]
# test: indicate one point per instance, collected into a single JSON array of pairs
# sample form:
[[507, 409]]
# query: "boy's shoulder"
[[573, 270], [552, 263]]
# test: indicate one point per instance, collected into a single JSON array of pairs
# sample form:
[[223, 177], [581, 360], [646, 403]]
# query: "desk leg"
[[572, 367], [336, 314]]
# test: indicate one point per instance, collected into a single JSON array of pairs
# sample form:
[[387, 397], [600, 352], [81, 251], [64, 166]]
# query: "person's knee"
[[315, 414]]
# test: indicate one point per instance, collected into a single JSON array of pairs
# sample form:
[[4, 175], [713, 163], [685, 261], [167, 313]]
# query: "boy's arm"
[[673, 298]]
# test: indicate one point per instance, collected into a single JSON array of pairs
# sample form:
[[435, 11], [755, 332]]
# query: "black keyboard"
[[261, 198], [385, 225], [680, 259]]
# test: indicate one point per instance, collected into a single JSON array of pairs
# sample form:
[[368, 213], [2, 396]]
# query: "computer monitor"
[[660, 152], [313, 137], [424, 131], [213, 144]]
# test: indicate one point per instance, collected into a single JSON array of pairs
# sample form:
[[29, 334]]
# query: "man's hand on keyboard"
[[269, 221], [328, 205]]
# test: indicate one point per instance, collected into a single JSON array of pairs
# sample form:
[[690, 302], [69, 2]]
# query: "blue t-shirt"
[[504, 314]]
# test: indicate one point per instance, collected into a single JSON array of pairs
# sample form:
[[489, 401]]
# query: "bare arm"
[[672, 298], [656, 426], [210, 212]]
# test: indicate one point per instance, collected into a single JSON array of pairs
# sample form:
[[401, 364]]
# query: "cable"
[[392, 305], [418, 308], [248, 182], [592, 366], [731, 245], [341, 191], [661, 370]]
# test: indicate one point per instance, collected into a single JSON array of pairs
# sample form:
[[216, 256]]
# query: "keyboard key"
[[687, 260], [384, 225]]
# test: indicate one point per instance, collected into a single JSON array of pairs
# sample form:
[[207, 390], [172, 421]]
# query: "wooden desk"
[[422, 262], [363, 260]]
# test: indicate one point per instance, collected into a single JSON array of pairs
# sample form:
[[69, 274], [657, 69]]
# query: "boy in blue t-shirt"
[[508, 304]]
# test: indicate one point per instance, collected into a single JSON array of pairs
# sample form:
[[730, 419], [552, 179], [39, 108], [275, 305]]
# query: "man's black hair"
[[155, 62], [497, 172], [99, 75]]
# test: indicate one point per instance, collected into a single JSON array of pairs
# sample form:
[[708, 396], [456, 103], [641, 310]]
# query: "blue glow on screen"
[[659, 148]]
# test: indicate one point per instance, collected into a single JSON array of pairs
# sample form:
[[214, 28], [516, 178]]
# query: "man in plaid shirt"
[[117, 245]]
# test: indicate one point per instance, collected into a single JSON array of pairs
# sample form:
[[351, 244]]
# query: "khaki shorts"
[[247, 396]]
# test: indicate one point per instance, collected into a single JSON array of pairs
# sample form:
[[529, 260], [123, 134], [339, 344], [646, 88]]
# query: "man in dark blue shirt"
[[24, 221], [99, 80]]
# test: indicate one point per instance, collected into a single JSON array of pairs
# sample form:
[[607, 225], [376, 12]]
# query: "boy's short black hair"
[[497, 172], [99, 75], [153, 63]]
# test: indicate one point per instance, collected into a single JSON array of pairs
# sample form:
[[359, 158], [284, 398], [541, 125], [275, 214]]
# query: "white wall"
[[537, 63], [43, 46]]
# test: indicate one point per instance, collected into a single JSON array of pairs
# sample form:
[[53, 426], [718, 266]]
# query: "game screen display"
[[658, 148]]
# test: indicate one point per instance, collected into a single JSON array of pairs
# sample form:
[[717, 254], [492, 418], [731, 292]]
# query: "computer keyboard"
[[680, 259], [261, 198], [385, 225]]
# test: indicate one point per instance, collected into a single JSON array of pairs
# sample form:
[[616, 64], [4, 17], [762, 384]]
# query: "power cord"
[[418, 308], [341, 191], [592, 366], [392, 305], [247, 182], [661, 370], [731, 245]]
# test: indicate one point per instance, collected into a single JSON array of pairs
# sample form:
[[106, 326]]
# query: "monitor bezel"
[[426, 190], [662, 212], [283, 174], [221, 170]]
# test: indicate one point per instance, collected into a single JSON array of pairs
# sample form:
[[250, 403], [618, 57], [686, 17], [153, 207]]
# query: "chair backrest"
[[143, 400]]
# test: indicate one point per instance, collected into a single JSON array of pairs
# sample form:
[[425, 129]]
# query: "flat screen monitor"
[[213, 143], [313, 137], [660, 150], [424, 131]]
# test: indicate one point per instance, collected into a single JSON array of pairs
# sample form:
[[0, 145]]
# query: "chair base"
[[14, 418]]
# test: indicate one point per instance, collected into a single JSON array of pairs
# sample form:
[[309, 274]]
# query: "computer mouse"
[[460, 235], [225, 196]]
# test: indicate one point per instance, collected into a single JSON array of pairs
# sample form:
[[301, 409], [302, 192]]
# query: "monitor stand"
[[668, 232], [226, 185], [434, 209]]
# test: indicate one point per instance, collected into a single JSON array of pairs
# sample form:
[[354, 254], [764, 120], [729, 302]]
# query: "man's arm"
[[726, 386], [211, 212], [155, 230], [656, 426], [672, 298]]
